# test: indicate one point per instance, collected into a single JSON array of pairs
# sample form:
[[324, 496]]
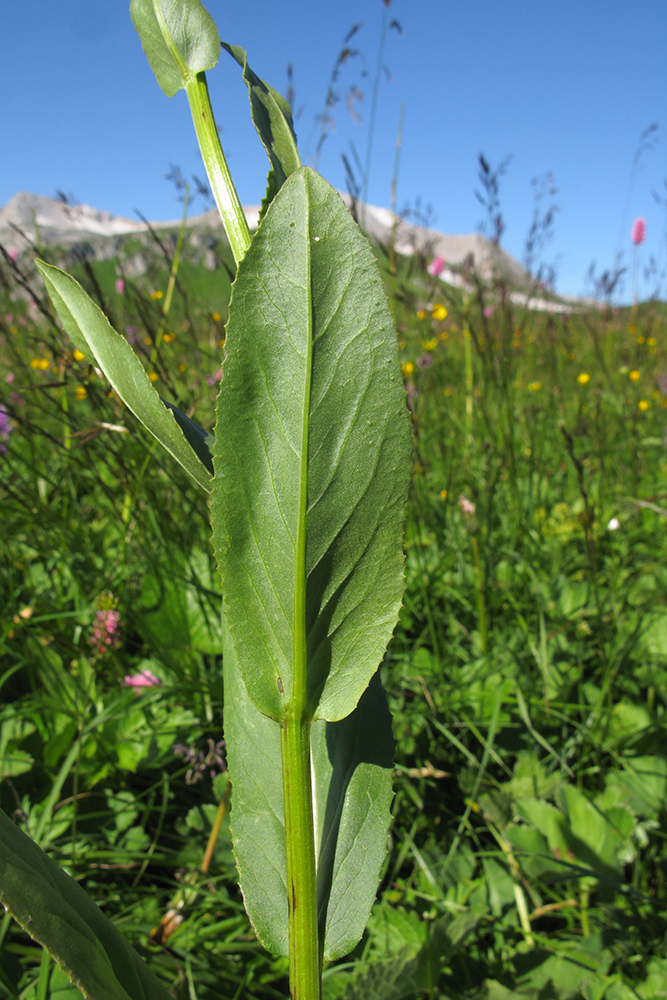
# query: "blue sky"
[[566, 88]]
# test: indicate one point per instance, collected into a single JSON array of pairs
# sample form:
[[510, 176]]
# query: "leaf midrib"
[[300, 647]]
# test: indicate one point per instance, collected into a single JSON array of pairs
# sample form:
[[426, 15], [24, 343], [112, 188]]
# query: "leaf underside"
[[312, 472], [272, 117], [192, 44], [352, 777]]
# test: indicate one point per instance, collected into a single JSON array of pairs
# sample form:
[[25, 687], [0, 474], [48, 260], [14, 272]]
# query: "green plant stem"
[[469, 394], [172, 276], [304, 950], [222, 185], [481, 604], [583, 905], [394, 220], [371, 121]]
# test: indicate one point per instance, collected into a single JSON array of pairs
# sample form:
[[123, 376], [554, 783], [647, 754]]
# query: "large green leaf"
[[272, 117], [352, 764], [312, 469], [57, 913], [179, 37], [90, 331]]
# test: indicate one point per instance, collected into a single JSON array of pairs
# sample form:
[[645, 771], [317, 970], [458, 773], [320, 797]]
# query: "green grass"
[[527, 676]]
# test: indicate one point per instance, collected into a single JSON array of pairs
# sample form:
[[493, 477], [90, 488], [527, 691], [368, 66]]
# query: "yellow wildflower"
[[216, 317], [641, 340], [407, 368], [644, 405], [583, 378], [40, 363], [651, 341], [443, 494], [156, 295], [182, 368], [430, 345], [80, 392], [153, 376], [78, 356], [147, 341], [634, 375], [534, 386], [421, 314], [168, 337], [439, 312]]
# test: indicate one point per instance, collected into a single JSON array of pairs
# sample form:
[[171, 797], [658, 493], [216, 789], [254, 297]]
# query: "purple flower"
[[5, 429], [436, 267], [638, 233], [199, 762], [141, 680], [425, 361], [212, 379]]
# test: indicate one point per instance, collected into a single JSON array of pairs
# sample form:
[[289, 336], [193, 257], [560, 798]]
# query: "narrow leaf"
[[90, 331], [352, 762], [60, 916], [352, 765], [257, 817], [272, 117], [312, 472], [179, 38]]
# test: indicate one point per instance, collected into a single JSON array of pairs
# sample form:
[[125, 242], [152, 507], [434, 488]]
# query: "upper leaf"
[[312, 469], [272, 117], [179, 37], [57, 913], [90, 331]]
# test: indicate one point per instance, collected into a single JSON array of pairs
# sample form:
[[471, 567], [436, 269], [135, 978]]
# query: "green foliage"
[[578, 752], [527, 855], [62, 917]]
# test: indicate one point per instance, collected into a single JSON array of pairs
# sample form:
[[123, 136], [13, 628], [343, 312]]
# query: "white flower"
[[614, 524]]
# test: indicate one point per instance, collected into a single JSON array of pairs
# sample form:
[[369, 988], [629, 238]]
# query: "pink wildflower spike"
[[436, 267], [143, 679], [638, 234], [489, 311], [120, 286]]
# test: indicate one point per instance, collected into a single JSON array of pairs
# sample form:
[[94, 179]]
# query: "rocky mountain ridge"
[[28, 219]]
